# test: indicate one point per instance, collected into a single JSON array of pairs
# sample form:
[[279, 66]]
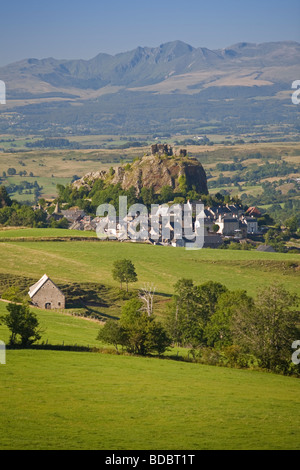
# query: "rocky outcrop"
[[154, 171]]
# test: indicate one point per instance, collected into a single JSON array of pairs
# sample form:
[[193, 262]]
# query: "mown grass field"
[[88, 400], [60, 329], [11, 232], [92, 261], [77, 400]]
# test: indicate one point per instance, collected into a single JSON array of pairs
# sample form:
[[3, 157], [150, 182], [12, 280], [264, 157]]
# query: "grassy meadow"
[[60, 329], [59, 399], [40, 233], [76, 400], [92, 261]]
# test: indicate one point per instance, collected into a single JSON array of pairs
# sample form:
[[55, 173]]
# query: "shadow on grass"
[[104, 316], [62, 347]]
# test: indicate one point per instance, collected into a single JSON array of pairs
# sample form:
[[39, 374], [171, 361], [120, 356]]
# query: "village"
[[222, 223]]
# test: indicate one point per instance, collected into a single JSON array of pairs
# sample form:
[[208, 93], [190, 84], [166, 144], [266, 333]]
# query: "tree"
[[143, 334], [219, 197], [183, 186], [124, 271], [146, 294], [112, 333], [273, 237], [218, 330], [42, 202], [5, 214], [268, 328], [184, 324], [265, 219], [135, 331], [166, 194], [22, 323], [292, 224], [4, 197], [191, 309], [131, 310], [147, 196], [61, 223], [12, 294], [207, 295]]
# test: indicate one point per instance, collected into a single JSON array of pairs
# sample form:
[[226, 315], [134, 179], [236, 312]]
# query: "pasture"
[[162, 266], [57, 400], [64, 400]]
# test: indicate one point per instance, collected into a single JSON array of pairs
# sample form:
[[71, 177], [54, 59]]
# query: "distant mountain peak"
[[147, 66]]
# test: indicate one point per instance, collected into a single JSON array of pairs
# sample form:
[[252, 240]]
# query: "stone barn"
[[45, 294]]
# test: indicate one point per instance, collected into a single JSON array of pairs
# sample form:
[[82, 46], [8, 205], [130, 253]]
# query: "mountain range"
[[118, 90]]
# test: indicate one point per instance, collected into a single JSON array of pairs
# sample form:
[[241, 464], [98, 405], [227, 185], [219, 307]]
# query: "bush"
[[235, 357], [210, 356], [136, 332], [12, 294]]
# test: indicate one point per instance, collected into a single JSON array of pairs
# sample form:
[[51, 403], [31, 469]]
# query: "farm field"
[[77, 400], [60, 329], [11, 232], [57, 166], [91, 400], [52, 167], [48, 185]]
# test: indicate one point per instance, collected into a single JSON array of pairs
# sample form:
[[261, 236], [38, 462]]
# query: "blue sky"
[[76, 29]]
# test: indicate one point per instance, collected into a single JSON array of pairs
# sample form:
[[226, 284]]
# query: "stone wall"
[[165, 149], [49, 296], [161, 149]]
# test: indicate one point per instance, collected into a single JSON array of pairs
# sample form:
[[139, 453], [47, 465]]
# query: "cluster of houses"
[[220, 222], [77, 218], [233, 221]]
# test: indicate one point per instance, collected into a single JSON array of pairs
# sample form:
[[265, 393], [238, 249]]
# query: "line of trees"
[[136, 331], [218, 326], [210, 318]]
